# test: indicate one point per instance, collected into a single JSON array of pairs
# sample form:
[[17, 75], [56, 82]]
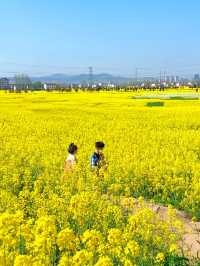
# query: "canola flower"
[[23, 260], [132, 248], [104, 261], [160, 258], [67, 240], [81, 219]]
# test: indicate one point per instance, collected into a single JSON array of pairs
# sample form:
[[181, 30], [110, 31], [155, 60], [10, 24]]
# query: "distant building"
[[168, 79], [4, 84], [50, 86], [189, 84], [153, 86], [13, 86], [177, 85], [177, 78], [196, 77], [111, 85], [172, 79]]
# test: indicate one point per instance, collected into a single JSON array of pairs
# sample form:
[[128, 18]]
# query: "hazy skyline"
[[41, 37]]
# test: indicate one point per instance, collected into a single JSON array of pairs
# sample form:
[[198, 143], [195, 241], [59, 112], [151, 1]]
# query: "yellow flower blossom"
[[132, 248], [23, 260], [160, 258], [66, 240], [104, 261]]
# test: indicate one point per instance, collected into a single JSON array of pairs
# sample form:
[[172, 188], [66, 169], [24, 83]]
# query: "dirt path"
[[191, 238]]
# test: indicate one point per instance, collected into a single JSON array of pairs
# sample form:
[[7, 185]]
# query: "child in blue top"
[[97, 160]]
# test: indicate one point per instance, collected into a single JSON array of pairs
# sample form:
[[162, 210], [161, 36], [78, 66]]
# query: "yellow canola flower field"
[[152, 150]]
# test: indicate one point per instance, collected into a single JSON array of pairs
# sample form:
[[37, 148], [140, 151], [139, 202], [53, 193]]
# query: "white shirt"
[[71, 158]]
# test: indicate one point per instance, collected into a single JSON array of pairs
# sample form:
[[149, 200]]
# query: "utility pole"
[[165, 76], [160, 76], [136, 74]]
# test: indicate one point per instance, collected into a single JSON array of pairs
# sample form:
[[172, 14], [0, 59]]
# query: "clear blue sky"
[[46, 36]]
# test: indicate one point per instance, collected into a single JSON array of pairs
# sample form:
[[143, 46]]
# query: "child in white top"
[[71, 159]]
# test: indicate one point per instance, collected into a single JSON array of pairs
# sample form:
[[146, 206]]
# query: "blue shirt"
[[96, 160]]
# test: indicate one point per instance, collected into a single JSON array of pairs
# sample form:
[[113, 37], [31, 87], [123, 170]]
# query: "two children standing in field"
[[97, 160]]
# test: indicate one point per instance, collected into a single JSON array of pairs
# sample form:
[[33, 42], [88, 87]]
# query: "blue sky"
[[49, 36]]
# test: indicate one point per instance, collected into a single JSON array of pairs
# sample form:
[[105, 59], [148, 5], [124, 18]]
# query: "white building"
[[49, 86], [4, 83]]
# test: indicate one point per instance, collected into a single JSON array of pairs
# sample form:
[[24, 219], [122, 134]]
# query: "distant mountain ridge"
[[99, 78]]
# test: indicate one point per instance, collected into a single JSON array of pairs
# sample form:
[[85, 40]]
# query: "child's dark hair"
[[72, 148], [99, 145]]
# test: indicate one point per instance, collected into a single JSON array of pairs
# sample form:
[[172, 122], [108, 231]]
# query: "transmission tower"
[[90, 76]]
